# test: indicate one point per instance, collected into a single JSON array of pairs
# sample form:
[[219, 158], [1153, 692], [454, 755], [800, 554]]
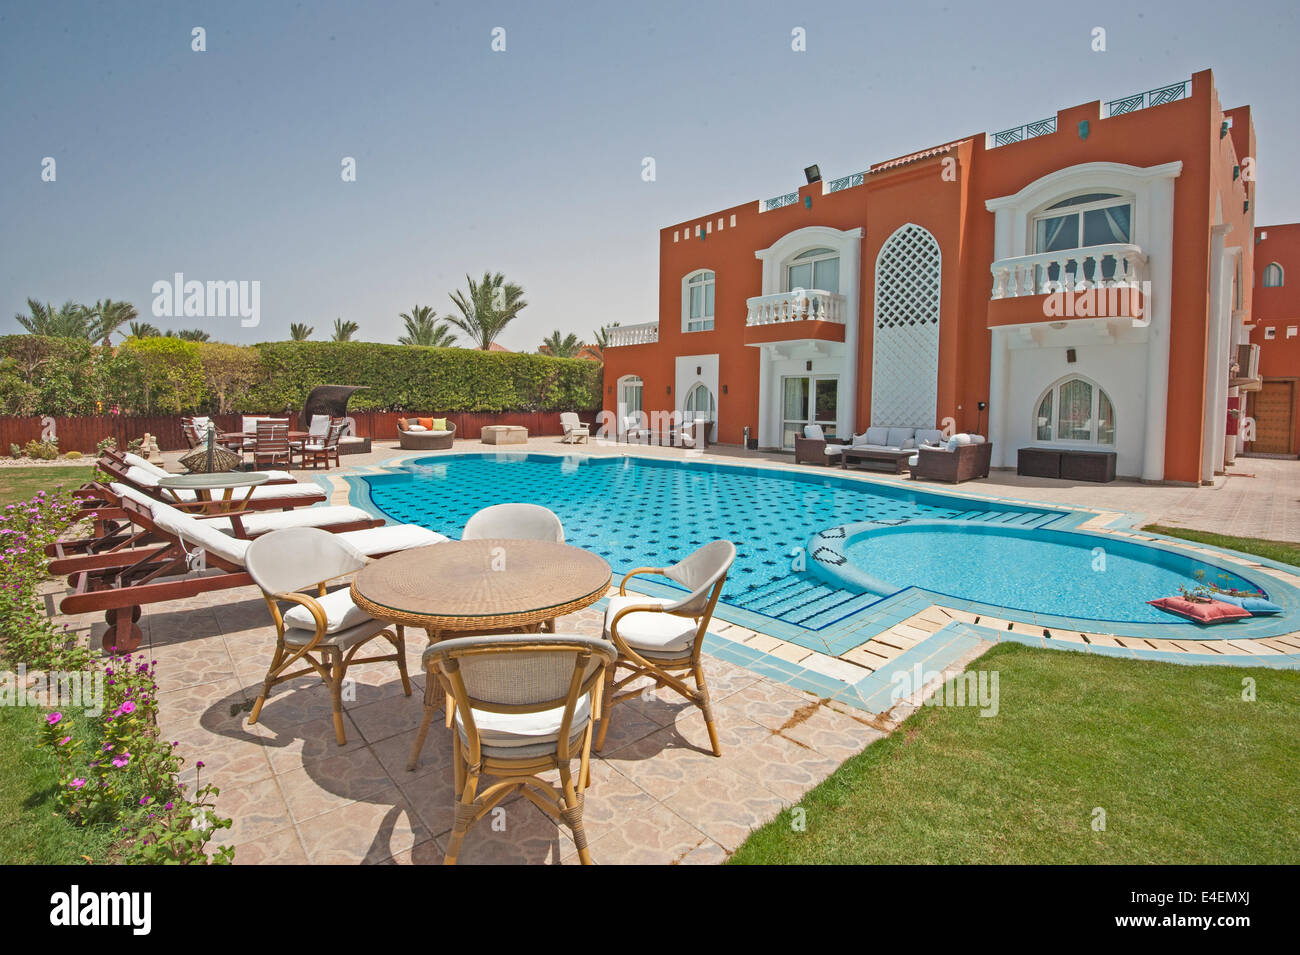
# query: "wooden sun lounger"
[[155, 565], [270, 500]]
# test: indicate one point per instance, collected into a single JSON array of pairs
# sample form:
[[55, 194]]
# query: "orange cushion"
[[425, 423]]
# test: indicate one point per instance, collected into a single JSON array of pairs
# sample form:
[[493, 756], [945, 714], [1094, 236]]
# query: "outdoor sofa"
[[419, 434]]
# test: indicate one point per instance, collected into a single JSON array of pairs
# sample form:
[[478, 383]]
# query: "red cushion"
[[426, 423], [1215, 611]]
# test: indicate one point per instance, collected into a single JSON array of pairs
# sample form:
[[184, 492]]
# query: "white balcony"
[[801, 305], [646, 333], [1074, 270]]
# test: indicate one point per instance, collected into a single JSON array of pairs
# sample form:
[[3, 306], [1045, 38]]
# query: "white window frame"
[[1054, 390], [712, 411], [795, 261], [1281, 275], [1121, 198], [704, 323]]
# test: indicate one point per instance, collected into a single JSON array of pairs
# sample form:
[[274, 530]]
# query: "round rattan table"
[[490, 584], [493, 584]]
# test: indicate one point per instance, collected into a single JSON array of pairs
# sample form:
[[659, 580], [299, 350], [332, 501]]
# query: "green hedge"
[[57, 376]]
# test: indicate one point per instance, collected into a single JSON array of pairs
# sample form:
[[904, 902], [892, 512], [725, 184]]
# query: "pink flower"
[[122, 760], [53, 718], [125, 708], [76, 783], [64, 741]]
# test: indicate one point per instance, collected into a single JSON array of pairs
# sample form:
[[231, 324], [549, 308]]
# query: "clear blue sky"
[[225, 164]]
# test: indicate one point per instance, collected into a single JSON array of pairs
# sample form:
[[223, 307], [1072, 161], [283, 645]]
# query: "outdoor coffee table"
[[895, 460], [470, 586], [203, 486]]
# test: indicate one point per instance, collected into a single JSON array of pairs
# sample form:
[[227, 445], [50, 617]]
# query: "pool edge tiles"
[[859, 628]]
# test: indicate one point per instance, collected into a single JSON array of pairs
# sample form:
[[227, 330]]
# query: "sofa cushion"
[[876, 436], [901, 438], [958, 441], [929, 436], [814, 431], [439, 424], [977, 439], [426, 423], [416, 427], [1256, 604]]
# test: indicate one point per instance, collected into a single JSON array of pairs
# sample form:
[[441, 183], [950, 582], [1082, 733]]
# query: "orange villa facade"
[[1082, 282], [1275, 408]]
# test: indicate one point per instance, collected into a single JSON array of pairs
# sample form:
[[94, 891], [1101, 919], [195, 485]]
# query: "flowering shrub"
[[116, 771], [132, 780]]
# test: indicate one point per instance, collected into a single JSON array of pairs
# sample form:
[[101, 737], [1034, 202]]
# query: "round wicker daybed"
[[424, 440]]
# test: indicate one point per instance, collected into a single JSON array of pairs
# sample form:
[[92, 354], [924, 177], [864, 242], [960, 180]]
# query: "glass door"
[[806, 399]]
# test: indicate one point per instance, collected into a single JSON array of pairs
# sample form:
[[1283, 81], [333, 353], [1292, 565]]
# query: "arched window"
[[700, 404], [1075, 411], [697, 301], [1094, 218], [1273, 277], [814, 269]]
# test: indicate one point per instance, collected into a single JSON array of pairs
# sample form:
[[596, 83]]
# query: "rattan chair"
[[661, 638], [324, 631], [524, 706]]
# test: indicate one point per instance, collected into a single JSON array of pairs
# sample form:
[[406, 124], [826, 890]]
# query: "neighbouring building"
[[1083, 281], [1275, 407]]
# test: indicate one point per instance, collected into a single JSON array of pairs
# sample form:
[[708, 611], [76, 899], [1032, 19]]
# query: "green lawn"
[[1186, 771], [32, 830], [21, 483], [1285, 551]]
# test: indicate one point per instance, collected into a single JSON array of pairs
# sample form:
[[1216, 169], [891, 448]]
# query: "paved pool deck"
[[789, 710]]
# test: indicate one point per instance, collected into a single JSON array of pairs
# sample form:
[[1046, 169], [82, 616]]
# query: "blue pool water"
[[1041, 571], [639, 512]]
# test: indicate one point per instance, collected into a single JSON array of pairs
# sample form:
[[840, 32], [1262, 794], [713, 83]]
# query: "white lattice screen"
[[905, 354]]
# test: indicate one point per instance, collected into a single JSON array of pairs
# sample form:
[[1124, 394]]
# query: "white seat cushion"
[[833, 449], [340, 613], [649, 630], [515, 730], [814, 431], [878, 436], [928, 436], [343, 639], [135, 461], [901, 438], [439, 434], [263, 522], [416, 427], [391, 537]]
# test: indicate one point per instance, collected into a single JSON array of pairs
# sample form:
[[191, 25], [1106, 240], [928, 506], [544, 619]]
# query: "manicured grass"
[[32, 829], [1186, 771], [21, 483], [1285, 551]]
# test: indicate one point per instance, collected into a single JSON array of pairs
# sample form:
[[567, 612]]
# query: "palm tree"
[[425, 328], [107, 316], [143, 330], [189, 335], [300, 332], [69, 320], [602, 339], [561, 346], [487, 309], [343, 331]]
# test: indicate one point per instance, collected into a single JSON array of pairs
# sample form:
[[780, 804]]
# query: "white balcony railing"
[[1074, 270], [644, 334], [801, 305]]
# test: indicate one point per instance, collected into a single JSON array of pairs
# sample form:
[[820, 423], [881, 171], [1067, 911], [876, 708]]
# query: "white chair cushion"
[[263, 522], [878, 436], [416, 427], [977, 439], [515, 730], [958, 440], [928, 436], [135, 461], [340, 613], [833, 449], [913, 460], [343, 639], [814, 431], [655, 632], [301, 489]]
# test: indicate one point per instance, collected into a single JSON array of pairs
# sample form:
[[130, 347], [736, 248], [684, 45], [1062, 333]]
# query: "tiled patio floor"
[[787, 716], [658, 795]]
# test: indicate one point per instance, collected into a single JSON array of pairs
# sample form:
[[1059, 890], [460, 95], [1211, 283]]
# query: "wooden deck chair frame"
[[116, 471], [563, 803]]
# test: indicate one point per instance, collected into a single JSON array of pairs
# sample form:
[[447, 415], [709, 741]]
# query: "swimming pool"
[[652, 512]]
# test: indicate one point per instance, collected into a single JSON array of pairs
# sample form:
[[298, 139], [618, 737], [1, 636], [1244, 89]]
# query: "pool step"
[[805, 601]]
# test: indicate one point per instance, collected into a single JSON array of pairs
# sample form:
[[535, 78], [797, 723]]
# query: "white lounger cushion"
[[512, 731], [651, 631], [263, 522], [340, 613], [143, 478], [199, 533], [135, 461]]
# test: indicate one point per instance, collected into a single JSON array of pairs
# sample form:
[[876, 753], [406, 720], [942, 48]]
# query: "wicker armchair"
[[813, 450], [963, 463]]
